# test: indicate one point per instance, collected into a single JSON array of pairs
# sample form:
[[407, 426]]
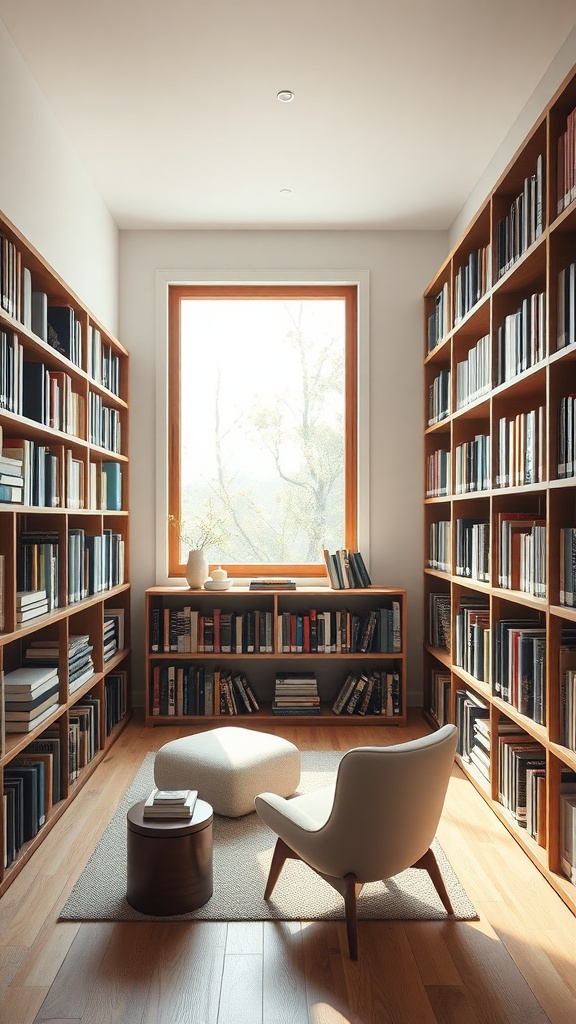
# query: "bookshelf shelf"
[[519, 436], [67, 506], [338, 609]]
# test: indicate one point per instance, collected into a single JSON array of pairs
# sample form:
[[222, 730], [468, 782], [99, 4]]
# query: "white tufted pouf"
[[229, 767]]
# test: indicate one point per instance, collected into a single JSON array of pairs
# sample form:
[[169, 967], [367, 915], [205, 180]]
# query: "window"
[[262, 408]]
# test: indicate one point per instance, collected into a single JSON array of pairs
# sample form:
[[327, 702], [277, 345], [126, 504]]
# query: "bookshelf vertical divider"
[[64, 546], [500, 495]]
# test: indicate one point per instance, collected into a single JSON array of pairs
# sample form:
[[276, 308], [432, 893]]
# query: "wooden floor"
[[516, 964]]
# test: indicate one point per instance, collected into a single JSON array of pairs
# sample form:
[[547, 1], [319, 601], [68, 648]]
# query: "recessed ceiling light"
[[285, 95]]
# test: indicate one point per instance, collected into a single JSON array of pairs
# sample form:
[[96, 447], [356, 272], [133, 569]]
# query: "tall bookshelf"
[[272, 633], [500, 490], [64, 532]]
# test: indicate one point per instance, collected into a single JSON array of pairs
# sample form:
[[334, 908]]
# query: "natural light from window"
[[262, 425]]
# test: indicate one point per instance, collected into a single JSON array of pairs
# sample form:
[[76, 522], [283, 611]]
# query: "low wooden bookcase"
[[261, 656]]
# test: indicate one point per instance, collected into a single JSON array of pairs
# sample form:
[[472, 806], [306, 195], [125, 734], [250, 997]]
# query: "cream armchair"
[[377, 819]]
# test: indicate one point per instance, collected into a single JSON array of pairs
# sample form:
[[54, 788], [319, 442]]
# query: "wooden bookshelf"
[[270, 656], [72, 444], [500, 489]]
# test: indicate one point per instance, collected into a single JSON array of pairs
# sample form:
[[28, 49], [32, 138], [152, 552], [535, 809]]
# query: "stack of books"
[[30, 604], [296, 693], [170, 803], [11, 480], [280, 583], [80, 663], [31, 694]]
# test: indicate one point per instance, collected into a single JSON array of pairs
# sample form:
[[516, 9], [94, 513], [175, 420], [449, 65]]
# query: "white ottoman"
[[229, 767]]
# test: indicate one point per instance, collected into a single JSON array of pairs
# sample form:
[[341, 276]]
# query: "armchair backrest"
[[387, 805]]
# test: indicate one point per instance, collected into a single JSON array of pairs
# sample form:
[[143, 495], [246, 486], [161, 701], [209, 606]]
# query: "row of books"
[[566, 167], [440, 546], [567, 437], [519, 758], [523, 223], [104, 424], [519, 671], [567, 575], [439, 696], [439, 398], [439, 474], [474, 374], [103, 364], [50, 476], [183, 690], [59, 326], [472, 637], [522, 553], [568, 825], [522, 338], [376, 692], [95, 562], [115, 690], [439, 621], [472, 465], [49, 398], [32, 781], [568, 697], [11, 377], [439, 320], [346, 570], [521, 449], [469, 709], [472, 536], [472, 281], [218, 631], [566, 307]]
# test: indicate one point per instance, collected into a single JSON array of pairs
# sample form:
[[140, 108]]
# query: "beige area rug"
[[242, 852]]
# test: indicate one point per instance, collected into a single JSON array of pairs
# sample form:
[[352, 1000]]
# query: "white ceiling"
[[399, 104]]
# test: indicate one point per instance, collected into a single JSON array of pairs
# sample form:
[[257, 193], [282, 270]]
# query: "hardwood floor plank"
[[494, 982], [241, 995], [12, 959], [284, 987], [79, 972], [385, 983], [47, 954], [452, 1005], [435, 965], [20, 1005], [245, 937], [185, 964]]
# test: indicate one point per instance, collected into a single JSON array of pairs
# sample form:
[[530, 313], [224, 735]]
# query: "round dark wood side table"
[[169, 869]]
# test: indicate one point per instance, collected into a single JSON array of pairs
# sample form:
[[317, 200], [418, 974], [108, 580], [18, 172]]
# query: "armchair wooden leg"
[[281, 854], [350, 892], [429, 863]]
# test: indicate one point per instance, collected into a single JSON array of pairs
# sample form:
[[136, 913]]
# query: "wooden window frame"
[[349, 292]]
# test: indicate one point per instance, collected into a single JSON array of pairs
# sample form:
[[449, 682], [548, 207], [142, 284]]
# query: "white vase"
[[196, 568]]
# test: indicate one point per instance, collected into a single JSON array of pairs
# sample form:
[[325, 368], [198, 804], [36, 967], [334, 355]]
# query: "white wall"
[[401, 265], [48, 194]]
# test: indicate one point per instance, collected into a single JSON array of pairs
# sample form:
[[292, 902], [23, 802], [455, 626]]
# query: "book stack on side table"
[[170, 803]]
